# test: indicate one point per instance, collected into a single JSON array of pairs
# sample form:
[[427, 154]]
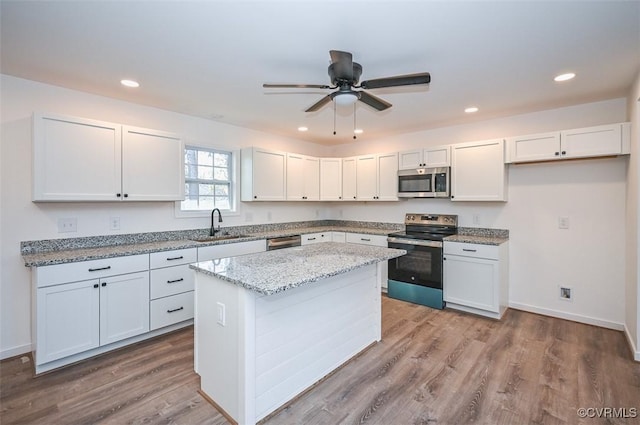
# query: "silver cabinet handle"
[[366, 240], [469, 250], [175, 309], [311, 239], [175, 258]]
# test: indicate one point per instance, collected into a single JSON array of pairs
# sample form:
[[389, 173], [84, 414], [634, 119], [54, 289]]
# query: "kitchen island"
[[270, 325]]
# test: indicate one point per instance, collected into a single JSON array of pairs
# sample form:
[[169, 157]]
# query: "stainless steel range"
[[417, 276]]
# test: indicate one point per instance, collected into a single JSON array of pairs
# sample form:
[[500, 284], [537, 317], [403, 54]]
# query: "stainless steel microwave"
[[424, 183]]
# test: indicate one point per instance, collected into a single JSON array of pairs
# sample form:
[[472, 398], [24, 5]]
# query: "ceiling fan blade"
[[320, 103], [342, 63], [374, 101], [399, 80], [296, 86]]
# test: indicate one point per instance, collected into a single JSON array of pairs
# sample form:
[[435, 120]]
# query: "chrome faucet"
[[213, 230]]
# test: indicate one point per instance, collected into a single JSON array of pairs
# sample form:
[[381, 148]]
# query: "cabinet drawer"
[[169, 310], [312, 238], [173, 258], [491, 252], [93, 269], [171, 281], [376, 240]]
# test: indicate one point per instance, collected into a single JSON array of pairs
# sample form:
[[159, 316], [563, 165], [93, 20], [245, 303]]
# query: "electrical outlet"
[[67, 225], [114, 223], [566, 293], [563, 222]]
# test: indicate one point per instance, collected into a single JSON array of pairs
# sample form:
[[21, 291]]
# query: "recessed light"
[[302, 129], [358, 131], [565, 77], [471, 110], [129, 83]]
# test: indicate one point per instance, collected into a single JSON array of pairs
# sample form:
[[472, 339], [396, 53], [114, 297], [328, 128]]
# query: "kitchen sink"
[[217, 238]]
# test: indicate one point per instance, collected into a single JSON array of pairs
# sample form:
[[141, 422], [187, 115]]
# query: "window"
[[207, 179]]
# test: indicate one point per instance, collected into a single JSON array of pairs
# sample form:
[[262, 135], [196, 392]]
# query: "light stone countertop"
[[271, 272], [481, 240], [62, 256]]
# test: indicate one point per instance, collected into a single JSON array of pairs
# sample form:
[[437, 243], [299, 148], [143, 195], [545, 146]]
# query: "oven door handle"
[[432, 244]]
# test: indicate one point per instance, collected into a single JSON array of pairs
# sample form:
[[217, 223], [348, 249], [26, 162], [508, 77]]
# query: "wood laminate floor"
[[432, 367]]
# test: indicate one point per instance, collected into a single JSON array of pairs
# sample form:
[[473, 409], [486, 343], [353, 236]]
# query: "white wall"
[[21, 219], [589, 257], [632, 281]]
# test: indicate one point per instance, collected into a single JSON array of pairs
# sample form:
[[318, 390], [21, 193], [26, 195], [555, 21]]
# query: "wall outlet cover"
[[566, 293], [67, 225]]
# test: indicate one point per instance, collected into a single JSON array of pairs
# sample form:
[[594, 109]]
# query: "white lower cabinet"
[[339, 237], [124, 307], [171, 288], [312, 238], [75, 317], [375, 240], [476, 278]]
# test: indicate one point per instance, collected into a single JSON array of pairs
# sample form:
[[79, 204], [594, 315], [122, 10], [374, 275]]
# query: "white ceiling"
[[210, 58]]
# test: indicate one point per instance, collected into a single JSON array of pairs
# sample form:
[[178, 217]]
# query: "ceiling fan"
[[345, 74]]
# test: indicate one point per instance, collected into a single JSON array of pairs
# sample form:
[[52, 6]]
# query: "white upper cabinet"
[[437, 156], [330, 179], [604, 140], [377, 177], [263, 174], [152, 165], [303, 178], [349, 176], [76, 159], [478, 171]]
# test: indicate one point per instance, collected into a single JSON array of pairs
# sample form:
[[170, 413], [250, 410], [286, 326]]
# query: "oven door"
[[422, 265]]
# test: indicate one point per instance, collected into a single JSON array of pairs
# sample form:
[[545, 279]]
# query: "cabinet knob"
[[339, 197], [557, 153], [95, 285], [564, 152], [104, 283], [118, 195], [255, 196], [354, 197], [126, 195]]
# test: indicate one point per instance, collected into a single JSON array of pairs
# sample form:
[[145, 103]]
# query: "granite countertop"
[[263, 272], [482, 240], [92, 249]]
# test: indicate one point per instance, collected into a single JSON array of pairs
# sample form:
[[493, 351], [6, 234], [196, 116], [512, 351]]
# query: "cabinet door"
[[349, 177], [387, 165], [409, 160], [295, 177], [437, 156], [75, 159], [592, 141], [124, 306], [311, 178], [265, 173], [340, 237], [67, 320], [535, 147], [367, 178], [330, 179], [152, 166], [312, 238], [471, 282], [478, 172]]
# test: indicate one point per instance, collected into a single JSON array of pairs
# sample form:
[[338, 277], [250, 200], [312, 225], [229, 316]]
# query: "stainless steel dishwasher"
[[283, 242]]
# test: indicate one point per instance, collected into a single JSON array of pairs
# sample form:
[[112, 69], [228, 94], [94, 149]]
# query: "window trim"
[[234, 186]]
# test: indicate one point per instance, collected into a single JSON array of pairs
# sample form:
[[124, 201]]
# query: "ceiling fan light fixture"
[[358, 131], [130, 83], [471, 109], [348, 98], [303, 128]]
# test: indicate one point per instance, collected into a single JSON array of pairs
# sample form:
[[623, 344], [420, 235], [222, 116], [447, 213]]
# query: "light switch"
[[222, 314], [563, 222]]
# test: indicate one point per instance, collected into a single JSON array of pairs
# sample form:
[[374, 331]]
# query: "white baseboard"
[[15, 351], [634, 350], [568, 316]]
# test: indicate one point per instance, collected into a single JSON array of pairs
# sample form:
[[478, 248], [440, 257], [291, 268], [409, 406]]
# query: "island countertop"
[[271, 272]]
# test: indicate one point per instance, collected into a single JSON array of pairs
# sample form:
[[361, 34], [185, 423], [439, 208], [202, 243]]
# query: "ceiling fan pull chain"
[[334, 118], [354, 121]]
